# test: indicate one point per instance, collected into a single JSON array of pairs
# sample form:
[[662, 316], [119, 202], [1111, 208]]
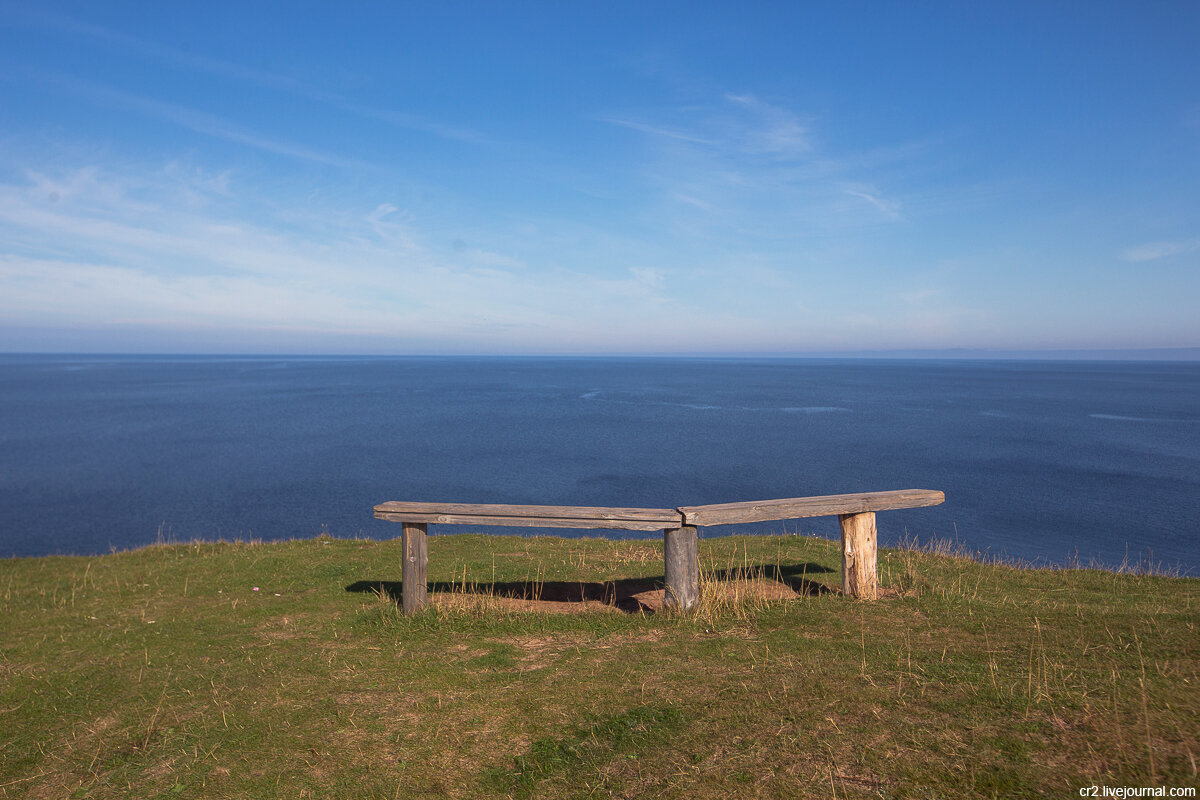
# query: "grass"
[[163, 672]]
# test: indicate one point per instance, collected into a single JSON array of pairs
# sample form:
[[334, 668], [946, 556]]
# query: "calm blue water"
[[1039, 460]]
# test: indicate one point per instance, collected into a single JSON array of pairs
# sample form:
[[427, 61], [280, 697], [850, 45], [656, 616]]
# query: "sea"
[[1042, 462]]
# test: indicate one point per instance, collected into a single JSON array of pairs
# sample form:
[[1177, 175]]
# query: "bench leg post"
[[416, 562], [859, 550], [682, 555]]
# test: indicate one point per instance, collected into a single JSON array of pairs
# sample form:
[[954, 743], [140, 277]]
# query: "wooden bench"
[[856, 513]]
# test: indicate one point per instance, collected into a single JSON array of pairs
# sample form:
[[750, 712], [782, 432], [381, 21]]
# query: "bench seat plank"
[[796, 507], [630, 519]]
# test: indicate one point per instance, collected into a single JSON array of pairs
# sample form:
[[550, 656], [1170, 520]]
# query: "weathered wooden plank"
[[796, 507], [636, 519], [529, 522], [413, 572], [682, 560], [860, 576]]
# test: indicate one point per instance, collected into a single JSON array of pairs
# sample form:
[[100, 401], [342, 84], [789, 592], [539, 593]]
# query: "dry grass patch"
[[483, 603]]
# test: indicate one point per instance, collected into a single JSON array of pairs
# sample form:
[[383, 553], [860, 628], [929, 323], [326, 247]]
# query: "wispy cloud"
[[693, 201], [920, 297], [1153, 251], [72, 25], [242, 73], [742, 124], [660, 131], [90, 247], [774, 131], [382, 210], [750, 171], [649, 277], [889, 208], [198, 121]]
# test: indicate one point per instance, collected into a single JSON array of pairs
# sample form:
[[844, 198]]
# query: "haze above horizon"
[[596, 178]]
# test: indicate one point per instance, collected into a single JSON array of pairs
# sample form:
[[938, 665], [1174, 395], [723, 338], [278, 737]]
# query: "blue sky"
[[737, 178]]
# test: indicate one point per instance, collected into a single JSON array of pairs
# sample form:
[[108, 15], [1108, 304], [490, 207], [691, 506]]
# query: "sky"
[[599, 178]]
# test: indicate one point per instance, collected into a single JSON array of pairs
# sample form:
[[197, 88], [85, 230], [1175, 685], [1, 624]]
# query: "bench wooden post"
[[859, 548], [416, 563], [682, 556]]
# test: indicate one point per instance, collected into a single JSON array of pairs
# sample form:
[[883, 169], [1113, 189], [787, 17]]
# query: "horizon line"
[[939, 354]]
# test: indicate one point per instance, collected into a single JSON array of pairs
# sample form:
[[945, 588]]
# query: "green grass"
[[161, 673]]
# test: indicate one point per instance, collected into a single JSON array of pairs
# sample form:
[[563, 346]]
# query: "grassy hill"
[[285, 670]]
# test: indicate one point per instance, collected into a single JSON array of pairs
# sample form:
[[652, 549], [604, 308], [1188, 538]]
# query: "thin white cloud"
[[649, 277], [92, 248], [90, 293], [659, 130], [888, 208], [197, 184], [127, 43], [918, 297], [489, 260], [1153, 251], [773, 130], [382, 210], [197, 121], [744, 125], [239, 72], [753, 168], [404, 119], [693, 201]]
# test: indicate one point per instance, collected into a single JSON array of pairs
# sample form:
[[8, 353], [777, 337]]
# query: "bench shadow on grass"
[[622, 594]]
